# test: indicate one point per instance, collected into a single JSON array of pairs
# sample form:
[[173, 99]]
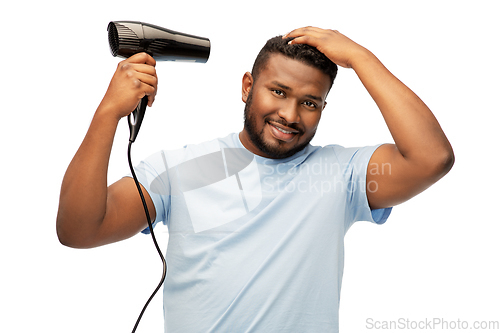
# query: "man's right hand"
[[134, 78]]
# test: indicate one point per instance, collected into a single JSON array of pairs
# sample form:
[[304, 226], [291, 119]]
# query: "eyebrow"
[[285, 87]]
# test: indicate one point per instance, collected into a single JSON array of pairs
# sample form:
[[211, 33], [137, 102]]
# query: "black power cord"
[[146, 211]]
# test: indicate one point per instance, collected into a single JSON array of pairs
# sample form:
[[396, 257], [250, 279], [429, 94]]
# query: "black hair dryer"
[[127, 38]]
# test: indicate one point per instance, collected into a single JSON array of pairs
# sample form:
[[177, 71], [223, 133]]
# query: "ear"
[[324, 106], [246, 86]]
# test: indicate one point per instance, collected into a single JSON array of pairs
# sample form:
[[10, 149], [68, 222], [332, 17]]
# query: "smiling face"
[[283, 106]]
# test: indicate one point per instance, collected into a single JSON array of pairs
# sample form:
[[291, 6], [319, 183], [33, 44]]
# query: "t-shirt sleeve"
[[152, 174], [355, 162]]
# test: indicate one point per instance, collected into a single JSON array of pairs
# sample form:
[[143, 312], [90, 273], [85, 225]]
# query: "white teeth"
[[282, 130]]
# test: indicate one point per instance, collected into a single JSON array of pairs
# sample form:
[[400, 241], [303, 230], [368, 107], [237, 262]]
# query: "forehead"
[[294, 74]]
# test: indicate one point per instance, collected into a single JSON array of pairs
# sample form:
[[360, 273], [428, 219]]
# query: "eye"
[[310, 104], [278, 92]]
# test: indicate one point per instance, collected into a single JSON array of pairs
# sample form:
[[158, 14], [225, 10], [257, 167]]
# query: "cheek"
[[311, 121], [264, 102]]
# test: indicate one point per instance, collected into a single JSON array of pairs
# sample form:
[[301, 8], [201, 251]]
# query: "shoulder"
[[346, 154]]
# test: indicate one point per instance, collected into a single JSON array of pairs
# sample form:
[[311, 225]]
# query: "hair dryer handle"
[[137, 115]]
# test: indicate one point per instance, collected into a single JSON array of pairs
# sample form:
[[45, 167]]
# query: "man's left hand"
[[337, 47]]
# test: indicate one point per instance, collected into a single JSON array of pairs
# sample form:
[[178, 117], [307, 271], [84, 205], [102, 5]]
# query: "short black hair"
[[301, 52]]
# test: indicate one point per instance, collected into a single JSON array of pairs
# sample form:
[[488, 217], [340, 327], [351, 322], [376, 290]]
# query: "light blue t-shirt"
[[256, 244]]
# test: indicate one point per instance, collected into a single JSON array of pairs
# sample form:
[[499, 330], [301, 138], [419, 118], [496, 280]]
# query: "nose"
[[289, 112]]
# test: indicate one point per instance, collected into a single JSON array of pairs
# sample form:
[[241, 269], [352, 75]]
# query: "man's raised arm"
[[91, 214], [421, 154]]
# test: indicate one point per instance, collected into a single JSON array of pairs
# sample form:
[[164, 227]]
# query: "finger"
[[144, 68], [151, 93], [309, 35], [141, 72], [142, 58], [146, 72], [144, 89], [147, 79], [309, 40], [144, 85], [312, 31], [132, 69], [149, 86]]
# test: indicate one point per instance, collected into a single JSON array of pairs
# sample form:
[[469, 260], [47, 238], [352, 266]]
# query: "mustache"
[[283, 122]]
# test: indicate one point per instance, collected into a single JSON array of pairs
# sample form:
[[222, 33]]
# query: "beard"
[[275, 150]]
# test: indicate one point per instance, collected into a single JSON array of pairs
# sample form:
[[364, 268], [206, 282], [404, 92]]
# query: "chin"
[[271, 147]]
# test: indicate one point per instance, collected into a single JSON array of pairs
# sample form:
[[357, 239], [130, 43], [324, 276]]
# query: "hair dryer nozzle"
[[127, 38]]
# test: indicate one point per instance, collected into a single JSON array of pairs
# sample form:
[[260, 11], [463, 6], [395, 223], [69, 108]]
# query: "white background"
[[436, 257]]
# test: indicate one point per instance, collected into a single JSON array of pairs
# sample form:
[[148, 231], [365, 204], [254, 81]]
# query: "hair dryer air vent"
[[123, 41], [114, 42]]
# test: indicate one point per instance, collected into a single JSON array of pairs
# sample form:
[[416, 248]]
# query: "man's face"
[[283, 107]]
